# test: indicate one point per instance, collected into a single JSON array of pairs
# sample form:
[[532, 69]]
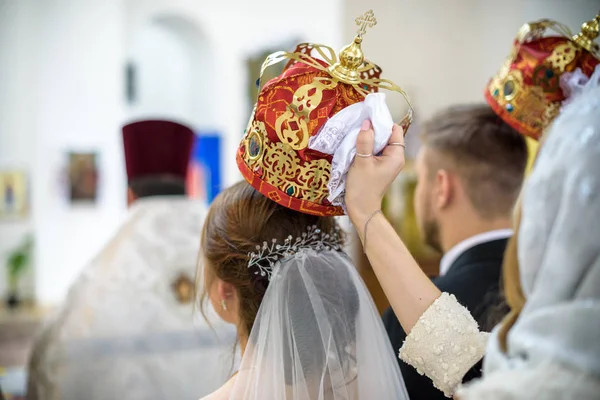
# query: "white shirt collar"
[[455, 252]]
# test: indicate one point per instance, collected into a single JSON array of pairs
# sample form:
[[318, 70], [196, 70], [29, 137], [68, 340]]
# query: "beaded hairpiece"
[[268, 255]]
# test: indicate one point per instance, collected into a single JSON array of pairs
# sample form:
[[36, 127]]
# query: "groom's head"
[[470, 170]]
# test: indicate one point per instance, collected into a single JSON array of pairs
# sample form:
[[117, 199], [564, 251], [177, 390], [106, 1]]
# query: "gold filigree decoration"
[[306, 180], [536, 30], [317, 176], [551, 112], [585, 39], [531, 107], [279, 164], [531, 31], [505, 69], [293, 127], [563, 55]]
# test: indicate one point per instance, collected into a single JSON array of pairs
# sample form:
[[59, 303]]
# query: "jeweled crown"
[[526, 92], [274, 155]]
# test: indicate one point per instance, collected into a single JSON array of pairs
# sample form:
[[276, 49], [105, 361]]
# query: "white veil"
[[318, 336]]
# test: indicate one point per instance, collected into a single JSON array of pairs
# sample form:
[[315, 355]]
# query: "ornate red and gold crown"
[[526, 91], [274, 155]]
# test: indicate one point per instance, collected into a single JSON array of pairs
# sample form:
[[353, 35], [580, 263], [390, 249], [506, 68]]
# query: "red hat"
[[274, 155], [157, 148], [526, 93]]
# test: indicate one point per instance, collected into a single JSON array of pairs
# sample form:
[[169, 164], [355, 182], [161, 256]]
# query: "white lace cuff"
[[444, 344]]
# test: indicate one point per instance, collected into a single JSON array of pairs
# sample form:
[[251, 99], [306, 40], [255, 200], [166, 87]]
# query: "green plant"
[[18, 261]]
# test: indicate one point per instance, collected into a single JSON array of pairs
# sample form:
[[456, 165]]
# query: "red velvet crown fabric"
[[526, 92], [274, 156], [157, 148]]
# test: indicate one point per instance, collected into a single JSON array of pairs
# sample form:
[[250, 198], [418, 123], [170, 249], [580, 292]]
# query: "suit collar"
[[458, 251]]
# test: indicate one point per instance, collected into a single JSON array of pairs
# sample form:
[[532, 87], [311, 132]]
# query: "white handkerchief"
[[338, 137], [574, 83]]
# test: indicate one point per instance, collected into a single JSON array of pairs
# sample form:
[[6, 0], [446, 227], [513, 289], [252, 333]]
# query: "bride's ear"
[[228, 298]]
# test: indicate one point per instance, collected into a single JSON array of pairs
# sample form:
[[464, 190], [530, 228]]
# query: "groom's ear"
[[444, 188]]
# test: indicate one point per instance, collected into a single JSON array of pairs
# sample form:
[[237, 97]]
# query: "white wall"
[[16, 125], [159, 54], [78, 106], [61, 90], [172, 60]]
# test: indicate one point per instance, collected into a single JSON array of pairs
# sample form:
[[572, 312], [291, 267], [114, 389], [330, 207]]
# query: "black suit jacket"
[[474, 278]]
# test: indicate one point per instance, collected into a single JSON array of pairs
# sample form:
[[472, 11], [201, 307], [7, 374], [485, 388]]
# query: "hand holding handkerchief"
[[338, 137]]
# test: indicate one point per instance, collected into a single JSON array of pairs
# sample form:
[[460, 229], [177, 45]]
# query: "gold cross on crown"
[[367, 20]]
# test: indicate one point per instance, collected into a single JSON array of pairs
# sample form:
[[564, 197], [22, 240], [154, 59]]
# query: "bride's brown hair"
[[513, 291], [511, 278], [240, 219]]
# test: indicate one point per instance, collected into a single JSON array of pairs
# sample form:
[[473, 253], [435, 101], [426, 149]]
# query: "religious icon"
[[13, 192], [83, 177]]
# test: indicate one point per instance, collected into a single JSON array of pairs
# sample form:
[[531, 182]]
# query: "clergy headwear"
[[157, 148], [526, 92], [274, 155]]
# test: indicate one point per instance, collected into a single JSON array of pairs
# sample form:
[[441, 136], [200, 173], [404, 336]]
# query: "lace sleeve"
[[444, 344]]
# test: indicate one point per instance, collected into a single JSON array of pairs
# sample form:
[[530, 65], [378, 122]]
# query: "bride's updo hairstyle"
[[240, 219]]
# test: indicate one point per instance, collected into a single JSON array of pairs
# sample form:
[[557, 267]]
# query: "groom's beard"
[[431, 234], [430, 229]]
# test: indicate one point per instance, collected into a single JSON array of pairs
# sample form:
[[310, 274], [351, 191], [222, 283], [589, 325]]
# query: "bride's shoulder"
[[221, 393]]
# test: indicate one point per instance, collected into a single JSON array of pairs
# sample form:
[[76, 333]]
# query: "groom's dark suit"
[[474, 279]]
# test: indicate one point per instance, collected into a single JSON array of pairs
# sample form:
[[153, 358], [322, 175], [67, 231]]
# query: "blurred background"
[[73, 72]]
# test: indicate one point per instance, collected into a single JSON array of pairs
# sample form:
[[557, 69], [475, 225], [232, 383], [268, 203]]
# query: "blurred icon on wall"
[[13, 189], [204, 177], [83, 177]]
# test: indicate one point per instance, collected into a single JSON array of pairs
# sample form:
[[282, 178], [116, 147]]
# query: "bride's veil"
[[318, 336]]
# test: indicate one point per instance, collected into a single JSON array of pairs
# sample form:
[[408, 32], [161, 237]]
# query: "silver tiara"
[[268, 255]]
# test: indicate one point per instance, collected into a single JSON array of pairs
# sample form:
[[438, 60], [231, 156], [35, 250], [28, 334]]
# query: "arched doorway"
[[169, 69]]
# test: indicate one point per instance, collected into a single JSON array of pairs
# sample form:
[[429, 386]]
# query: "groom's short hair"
[[488, 155]]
